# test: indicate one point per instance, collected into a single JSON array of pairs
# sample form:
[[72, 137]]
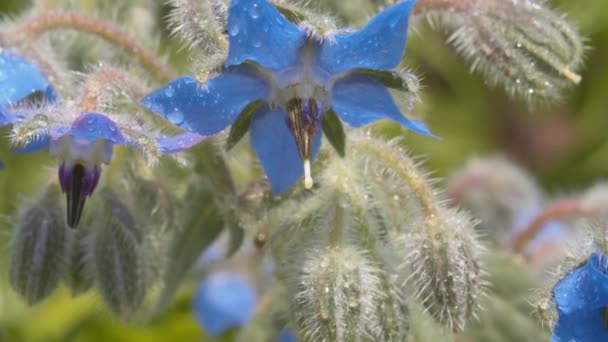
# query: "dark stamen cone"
[[78, 183], [304, 118]]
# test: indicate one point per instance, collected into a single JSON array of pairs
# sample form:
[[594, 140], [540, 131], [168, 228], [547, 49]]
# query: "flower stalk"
[[35, 27]]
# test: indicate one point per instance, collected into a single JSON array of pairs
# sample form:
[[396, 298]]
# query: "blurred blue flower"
[[289, 79], [224, 300], [287, 335], [581, 299], [552, 232], [86, 143], [20, 78]]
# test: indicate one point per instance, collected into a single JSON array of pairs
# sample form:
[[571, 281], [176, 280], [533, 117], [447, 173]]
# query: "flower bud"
[[78, 275], [118, 262], [523, 45], [39, 247], [342, 294], [443, 268]]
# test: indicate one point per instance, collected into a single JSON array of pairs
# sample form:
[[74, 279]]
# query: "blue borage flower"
[[83, 144], [20, 78], [581, 298], [287, 335], [224, 300], [290, 79]]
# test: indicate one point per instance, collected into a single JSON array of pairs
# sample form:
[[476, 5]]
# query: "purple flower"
[[83, 145], [288, 81]]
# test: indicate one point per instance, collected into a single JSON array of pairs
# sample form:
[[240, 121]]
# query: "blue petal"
[[19, 78], [6, 117], [276, 148], [360, 100], [259, 33], [379, 45], [178, 142], [213, 253], [210, 108], [581, 298], [223, 301], [287, 335], [90, 127]]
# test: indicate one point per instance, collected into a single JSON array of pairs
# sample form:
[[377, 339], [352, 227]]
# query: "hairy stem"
[[97, 82], [443, 5], [557, 210], [43, 23]]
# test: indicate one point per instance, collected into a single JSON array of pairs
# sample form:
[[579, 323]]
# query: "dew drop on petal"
[[169, 91], [234, 29], [394, 20], [255, 11], [257, 43], [176, 117]]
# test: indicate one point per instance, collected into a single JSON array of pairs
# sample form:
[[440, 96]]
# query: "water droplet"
[[266, 27], [394, 20], [530, 91], [254, 11], [112, 128], [91, 121], [257, 43], [176, 117], [234, 29], [169, 91]]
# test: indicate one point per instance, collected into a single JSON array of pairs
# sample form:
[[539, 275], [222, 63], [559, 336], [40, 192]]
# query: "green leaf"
[[202, 225], [119, 265], [334, 131], [241, 125], [403, 81]]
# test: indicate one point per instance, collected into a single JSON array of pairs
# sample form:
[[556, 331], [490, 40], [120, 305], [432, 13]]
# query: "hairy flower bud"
[[436, 247], [523, 45], [39, 247], [118, 262], [78, 275], [443, 268], [342, 294]]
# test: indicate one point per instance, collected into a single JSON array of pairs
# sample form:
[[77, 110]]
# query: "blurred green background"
[[563, 144]]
